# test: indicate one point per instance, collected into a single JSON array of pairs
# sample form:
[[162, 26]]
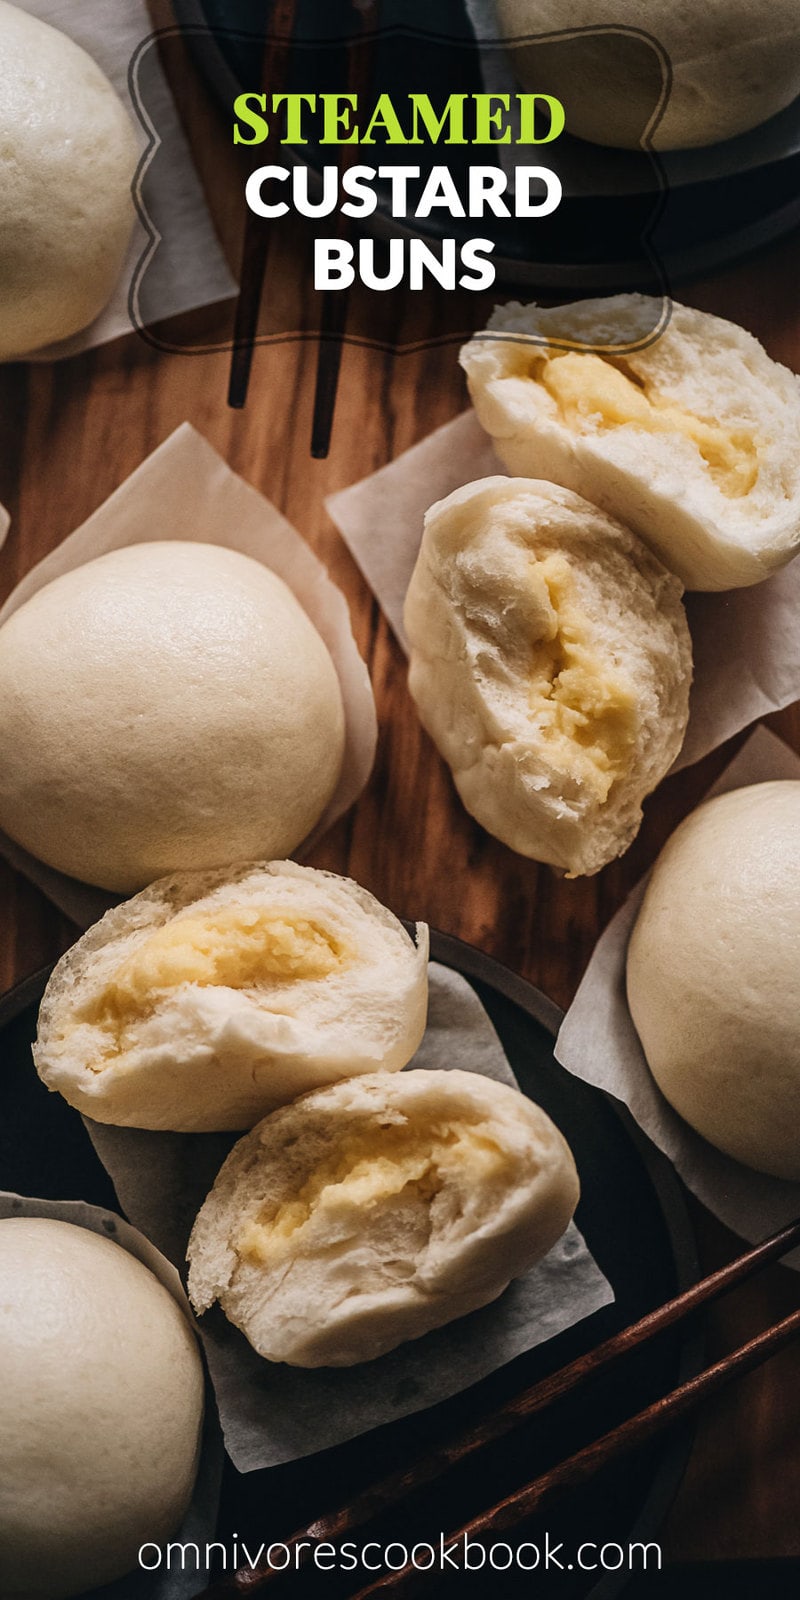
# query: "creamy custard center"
[[585, 707], [237, 947], [371, 1168], [587, 388]]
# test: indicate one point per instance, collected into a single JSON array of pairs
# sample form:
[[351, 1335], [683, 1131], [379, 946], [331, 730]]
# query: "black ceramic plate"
[[633, 1217], [626, 220]]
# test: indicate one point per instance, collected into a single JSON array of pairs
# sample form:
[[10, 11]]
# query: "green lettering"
[[453, 116], [527, 118], [243, 110], [489, 111], [338, 119], [384, 116], [294, 114]]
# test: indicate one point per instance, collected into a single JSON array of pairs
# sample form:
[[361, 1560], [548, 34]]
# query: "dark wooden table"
[[69, 433]]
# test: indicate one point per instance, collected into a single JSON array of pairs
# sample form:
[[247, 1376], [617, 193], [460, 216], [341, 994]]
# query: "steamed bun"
[[550, 663], [211, 998], [733, 64], [691, 439], [712, 974], [166, 706], [371, 1212], [68, 157], [101, 1407]]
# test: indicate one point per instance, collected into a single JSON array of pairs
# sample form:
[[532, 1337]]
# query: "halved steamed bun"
[[550, 663], [211, 998], [690, 440], [373, 1211]]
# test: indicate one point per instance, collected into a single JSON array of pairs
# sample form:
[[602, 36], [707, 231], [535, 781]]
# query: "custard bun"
[[550, 663], [712, 974], [732, 64], [690, 440], [167, 706], [69, 153], [101, 1407], [371, 1212], [211, 998]]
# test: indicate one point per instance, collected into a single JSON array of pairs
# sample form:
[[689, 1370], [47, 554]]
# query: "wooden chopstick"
[[523, 1503], [333, 323], [519, 1409], [257, 230]]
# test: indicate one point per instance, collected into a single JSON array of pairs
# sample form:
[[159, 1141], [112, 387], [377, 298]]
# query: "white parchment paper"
[[746, 642], [185, 490], [273, 1413], [599, 1043], [194, 272], [201, 1518]]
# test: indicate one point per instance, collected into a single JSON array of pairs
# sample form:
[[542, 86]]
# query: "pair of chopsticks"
[[579, 1468], [255, 249]]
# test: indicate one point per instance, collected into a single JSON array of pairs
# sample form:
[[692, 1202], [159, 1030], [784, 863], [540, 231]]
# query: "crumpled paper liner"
[[200, 1521], [598, 1043], [199, 274], [746, 642], [185, 490], [273, 1413]]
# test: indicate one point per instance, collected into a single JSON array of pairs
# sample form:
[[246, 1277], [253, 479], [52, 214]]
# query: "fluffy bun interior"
[[211, 998], [683, 428], [374, 1211], [550, 662]]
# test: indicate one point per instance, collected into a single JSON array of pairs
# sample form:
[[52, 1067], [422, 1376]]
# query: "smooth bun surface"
[[211, 998], [550, 663], [691, 441], [101, 1407], [165, 707], [734, 64], [68, 157], [371, 1212], [712, 974]]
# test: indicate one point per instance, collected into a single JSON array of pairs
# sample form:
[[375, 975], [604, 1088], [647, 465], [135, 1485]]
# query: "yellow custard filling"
[[237, 947], [370, 1168], [585, 708], [590, 389]]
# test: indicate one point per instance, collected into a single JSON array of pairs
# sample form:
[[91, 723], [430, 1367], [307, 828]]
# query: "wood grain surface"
[[69, 433]]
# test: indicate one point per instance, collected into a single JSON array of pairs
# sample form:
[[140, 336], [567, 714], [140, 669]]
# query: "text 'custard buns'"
[[67, 154], [713, 974], [211, 998], [101, 1407], [165, 707], [691, 440], [550, 663], [371, 1212]]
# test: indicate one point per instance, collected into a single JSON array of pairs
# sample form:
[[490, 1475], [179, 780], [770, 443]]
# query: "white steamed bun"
[[211, 998], [691, 439], [68, 157], [550, 663], [373, 1211], [101, 1407], [712, 974], [167, 706]]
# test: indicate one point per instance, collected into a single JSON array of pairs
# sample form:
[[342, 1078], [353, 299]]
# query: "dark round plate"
[[627, 220], [633, 1217]]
